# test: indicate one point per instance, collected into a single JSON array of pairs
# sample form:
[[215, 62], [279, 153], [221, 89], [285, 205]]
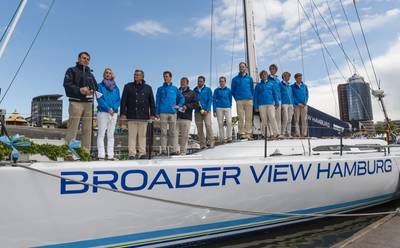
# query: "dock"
[[383, 233]]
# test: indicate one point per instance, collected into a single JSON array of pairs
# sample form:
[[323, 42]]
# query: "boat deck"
[[383, 233], [255, 151]]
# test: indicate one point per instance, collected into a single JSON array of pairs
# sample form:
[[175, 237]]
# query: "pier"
[[383, 233]]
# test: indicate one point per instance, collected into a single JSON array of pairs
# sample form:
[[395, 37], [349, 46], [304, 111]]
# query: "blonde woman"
[[107, 112]]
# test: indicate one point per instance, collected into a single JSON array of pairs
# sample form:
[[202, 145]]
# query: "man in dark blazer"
[[137, 106]]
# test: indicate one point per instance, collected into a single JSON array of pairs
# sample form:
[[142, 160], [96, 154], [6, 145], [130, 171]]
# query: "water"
[[317, 233]]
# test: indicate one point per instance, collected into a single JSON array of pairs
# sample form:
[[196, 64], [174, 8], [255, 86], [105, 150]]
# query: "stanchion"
[[150, 140], [341, 144], [265, 142]]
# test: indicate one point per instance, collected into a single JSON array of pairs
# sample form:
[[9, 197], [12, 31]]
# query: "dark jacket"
[[137, 101], [191, 102], [77, 77]]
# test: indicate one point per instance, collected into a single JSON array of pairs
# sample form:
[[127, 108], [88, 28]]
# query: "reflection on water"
[[317, 233]]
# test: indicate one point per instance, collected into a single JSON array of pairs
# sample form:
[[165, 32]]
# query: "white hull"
[[38, 210]]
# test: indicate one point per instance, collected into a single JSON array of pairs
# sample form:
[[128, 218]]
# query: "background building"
[[46, 107], [16, 119], [343, 106], [355, 103]]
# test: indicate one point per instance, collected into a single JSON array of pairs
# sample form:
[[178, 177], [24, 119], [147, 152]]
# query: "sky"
[[156, 35]]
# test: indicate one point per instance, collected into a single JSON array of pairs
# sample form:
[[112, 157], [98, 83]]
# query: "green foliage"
[[4, 151], [51, 151], [83, 154], [382, 128]]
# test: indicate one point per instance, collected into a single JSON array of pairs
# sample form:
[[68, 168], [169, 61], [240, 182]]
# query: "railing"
[[386, 149]]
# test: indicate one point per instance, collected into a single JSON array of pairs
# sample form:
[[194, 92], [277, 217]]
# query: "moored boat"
[[227, 190]]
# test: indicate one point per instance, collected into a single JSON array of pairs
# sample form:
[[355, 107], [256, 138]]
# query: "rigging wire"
[[11, 20], [301, 39], [325, 63], [211, 40], [320, 39], [378, 83], [29, 49], [337, 33], [355, 41], [366, 45], [233, 38], [333, 35]]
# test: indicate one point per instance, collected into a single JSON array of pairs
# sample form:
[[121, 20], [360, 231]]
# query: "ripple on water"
[[317, 233]]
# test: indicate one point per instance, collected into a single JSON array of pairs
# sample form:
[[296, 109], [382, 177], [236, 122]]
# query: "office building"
[[46, 107]]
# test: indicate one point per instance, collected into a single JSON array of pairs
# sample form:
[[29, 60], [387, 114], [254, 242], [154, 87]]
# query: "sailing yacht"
[[231, 189]]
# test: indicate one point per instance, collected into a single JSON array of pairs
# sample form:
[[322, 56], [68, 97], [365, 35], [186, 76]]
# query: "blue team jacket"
[[286, 93], [300, 94], [167, 97], [222, 98], [242, 87], [204, 95], [109, 98], [265, 94], [277, 83]]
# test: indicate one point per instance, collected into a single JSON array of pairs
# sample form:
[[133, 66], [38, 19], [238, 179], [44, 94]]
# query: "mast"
[[250, 46], [11, 29]]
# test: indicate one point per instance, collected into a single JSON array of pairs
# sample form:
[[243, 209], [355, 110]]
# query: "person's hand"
[[111, 112], [89, 92], [256, 110], [301, 105], [181, 109], [84, 90], [175, 106], [215, 114]]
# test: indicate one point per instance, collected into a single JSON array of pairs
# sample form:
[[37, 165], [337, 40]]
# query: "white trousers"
[[106, 123], [278, 118], [287, 115], [221, 114]]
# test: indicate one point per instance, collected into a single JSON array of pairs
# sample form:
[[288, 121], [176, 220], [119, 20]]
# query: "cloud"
[[148, 27], [370, 22], [387, 68], [277, 25], [276, 34]]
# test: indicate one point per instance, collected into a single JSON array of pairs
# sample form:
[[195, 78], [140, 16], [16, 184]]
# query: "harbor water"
[[316, 233]]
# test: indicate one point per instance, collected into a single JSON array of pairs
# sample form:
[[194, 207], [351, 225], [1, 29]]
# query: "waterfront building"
[[355, 102], [16, 119], [46, 107]]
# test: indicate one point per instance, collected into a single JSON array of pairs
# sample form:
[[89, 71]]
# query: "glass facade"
[[46, 106], [359, 99]]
